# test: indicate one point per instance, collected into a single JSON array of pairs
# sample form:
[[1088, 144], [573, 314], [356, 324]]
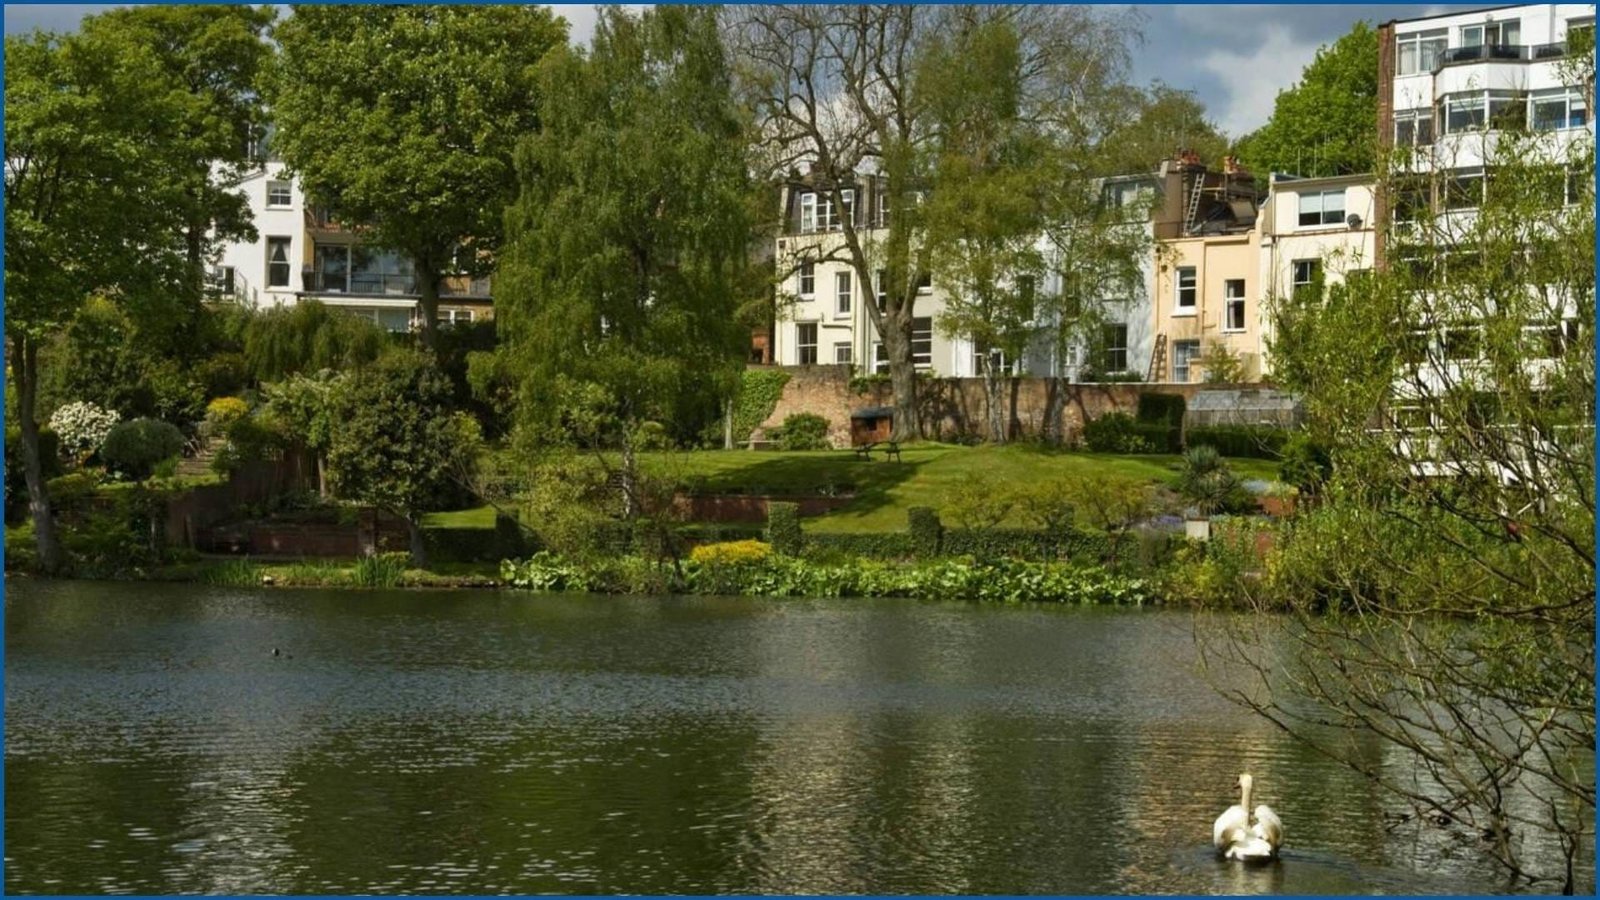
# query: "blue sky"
[[1236, 57]]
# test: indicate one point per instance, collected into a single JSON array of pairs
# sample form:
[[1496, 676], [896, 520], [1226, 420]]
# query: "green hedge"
[[925, 530], [1164, 409], [506, 541], [867, 545], [783, 528], [1121, 433], [1026, 543], [1257, 441]]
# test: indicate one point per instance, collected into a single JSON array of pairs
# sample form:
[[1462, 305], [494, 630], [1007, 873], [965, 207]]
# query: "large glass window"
[[1322, 208], [1482, 109], [1494, 34], [1556, 109], [805, 341], [1233, 304], [1188, 290], [1413, 128], [1419, 51], [1184, 353], [817, 212], [330, 268], [278, 268], [380, 272]]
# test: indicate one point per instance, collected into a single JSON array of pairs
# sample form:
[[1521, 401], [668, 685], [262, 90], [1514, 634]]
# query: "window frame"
[[1114, 352], [1419, 120], [807, 272], [1179, 308], [843, 293], [1185, 351], [1232, 301], [287, 243], [1571, 99], [847, 357], [808, 212], [922, 335], [1322, 211], [1312, 276], [1419, 43], [801, 331], [285, 189]]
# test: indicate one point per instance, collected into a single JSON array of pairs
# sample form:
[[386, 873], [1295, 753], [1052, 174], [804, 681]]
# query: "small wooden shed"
[[871, 425]]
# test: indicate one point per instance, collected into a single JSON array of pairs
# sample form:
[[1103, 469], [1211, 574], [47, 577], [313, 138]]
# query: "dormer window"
[[817, 212]]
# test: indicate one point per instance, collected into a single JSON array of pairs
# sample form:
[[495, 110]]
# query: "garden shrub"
[[1305, 463], [783, 528], [1115, 433], [1050, 505], [1256, 441], [1087, 547], [866, 545], [81, 427], [134, 447], [652, 437], [731, 553], [804, 431], [980, 501], [926, 531], [223, 412]]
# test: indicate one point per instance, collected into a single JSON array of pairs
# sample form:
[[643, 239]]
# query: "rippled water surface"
[[481, 742]]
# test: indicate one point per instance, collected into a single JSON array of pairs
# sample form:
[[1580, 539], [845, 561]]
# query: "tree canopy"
[[401, 120], [1323, 125], [628, 242]]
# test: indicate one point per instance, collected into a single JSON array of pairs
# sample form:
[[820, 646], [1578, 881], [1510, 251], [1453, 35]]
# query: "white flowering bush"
[[82, 427]]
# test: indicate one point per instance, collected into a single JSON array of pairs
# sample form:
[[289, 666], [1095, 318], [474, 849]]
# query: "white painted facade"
[[1300, 246], [278, 207]]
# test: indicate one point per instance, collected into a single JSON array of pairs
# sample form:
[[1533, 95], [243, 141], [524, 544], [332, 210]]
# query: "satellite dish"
[[1353, 220]]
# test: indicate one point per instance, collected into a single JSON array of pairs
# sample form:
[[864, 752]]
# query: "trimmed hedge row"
[[1257, 441], [506, 541]]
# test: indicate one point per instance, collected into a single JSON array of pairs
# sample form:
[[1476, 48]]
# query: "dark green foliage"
[[1205, 479], [1305, 463], [1088, 547], [507, 541], [1254, 441], [1120, 433], [804, 431], [865, 544], [135, 446], [382, 570], [926, 530], [16, 489], [1166, 409], [783, 528], [309, 336], [759, 392]]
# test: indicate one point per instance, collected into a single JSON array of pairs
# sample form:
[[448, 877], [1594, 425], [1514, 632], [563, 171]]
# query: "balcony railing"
[[365, 283], [1500, 53]]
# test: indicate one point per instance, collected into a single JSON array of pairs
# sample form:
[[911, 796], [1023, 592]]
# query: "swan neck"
[[1244, 796]]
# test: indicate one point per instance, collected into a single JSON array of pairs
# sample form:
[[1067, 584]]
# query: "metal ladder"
[[1158, 358], [1193, 208]]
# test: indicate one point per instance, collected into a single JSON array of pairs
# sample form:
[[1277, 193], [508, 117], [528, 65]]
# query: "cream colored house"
[[1313, 232]]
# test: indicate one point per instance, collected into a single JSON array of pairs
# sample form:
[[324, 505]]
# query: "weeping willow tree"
[[1441, 594]]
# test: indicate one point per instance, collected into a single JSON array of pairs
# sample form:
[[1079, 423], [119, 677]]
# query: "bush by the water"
[[783, 527], [997, 580], [136, 446], [731, 553], [804, 431]]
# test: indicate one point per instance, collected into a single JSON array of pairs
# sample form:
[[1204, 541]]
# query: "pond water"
[[508, 742]]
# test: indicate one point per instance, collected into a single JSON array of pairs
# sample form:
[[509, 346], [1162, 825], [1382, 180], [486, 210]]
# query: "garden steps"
[[200, 462]]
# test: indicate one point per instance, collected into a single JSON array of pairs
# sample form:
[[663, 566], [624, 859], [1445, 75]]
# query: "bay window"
[[1419, 51], [1556, 109]]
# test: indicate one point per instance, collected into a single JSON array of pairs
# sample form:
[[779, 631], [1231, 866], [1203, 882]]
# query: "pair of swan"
[[1236, 838]]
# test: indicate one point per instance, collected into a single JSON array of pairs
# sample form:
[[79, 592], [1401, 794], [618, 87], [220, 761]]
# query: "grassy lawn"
[[478, 517], [929, 475]]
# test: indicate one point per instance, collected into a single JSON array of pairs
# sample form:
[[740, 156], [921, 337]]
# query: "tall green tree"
[[630, 237], [92, 205], [1164, 120], [1323, 125], [401, 121], [211, 60]]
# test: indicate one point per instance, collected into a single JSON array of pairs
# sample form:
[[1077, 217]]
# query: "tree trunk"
[[903, 379], [428, 288], [994, 404], [419, 549], [630, 478], [44, 524], [322, 474]]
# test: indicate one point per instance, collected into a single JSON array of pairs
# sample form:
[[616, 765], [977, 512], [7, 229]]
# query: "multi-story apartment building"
[[300, 253], [1313, 233]]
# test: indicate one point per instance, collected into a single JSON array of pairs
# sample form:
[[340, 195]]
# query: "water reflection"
[[509, 743]]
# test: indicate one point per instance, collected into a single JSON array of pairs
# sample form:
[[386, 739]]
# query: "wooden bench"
[[891, 450]]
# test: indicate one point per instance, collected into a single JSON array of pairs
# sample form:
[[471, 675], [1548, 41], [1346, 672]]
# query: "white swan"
[[1236, 838]]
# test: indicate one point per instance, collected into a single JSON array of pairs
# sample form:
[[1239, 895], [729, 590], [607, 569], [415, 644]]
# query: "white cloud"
[[1252, 77]]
